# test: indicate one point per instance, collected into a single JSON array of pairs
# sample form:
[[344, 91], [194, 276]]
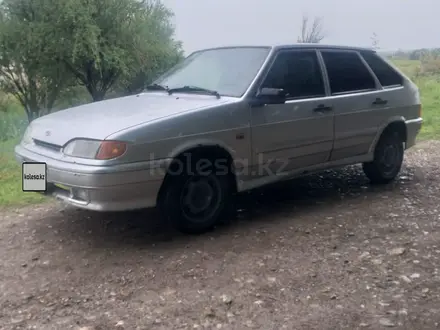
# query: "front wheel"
[[195, 202], [388, 159]]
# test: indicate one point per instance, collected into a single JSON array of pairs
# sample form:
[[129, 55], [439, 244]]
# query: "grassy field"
[[430, 94], [13, 122], [10, 178]]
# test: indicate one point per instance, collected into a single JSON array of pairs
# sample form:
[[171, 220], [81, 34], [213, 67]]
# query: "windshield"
[[228, 71]]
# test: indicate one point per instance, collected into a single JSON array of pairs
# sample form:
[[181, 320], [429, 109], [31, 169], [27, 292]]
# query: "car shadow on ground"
[[255, 209]]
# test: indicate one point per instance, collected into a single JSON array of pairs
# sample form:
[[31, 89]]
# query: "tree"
[[101, 41], [49, 46], [28, 69], [313, 33], [163, 52], [375, 41], [137, 81]]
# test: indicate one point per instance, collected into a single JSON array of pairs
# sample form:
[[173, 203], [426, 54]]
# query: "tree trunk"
[[98, 96], [31, 113]]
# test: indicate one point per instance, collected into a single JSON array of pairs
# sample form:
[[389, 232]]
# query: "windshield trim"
[[263, 64], [251, 90]]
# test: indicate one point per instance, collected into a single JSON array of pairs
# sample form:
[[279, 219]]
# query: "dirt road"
[[324, 252]]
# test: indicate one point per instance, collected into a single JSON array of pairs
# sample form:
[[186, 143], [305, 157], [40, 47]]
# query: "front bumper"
[[101, 188]]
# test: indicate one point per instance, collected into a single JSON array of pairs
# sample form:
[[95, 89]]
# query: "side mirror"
[[271, 96]]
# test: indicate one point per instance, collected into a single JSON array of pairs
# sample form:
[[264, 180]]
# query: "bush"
[[6, 101], [13, 120], [430, 67], [12, 125]]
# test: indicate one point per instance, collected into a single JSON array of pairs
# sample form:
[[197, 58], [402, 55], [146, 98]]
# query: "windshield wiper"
[[194, 89], [157, 87]]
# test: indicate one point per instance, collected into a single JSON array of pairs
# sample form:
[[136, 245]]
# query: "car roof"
[[294, 45]]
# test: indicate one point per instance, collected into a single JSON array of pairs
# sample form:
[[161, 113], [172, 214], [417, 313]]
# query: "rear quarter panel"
[[404, 105]]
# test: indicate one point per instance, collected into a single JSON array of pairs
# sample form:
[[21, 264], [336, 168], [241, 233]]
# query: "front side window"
[[346, 72], [384, 72], [228, 71], [298, 73]]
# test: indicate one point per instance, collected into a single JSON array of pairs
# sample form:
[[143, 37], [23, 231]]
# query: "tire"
[[195, 201], [388, 159]]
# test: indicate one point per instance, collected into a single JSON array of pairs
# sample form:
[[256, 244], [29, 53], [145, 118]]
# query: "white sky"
[[404, 24]]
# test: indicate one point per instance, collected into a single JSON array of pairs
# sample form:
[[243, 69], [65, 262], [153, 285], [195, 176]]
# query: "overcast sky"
[[404, 24]]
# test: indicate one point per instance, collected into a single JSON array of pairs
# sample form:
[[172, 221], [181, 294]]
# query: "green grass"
[[409, 67], [13, 122], [11, 193], [429, 87], [430, 94]]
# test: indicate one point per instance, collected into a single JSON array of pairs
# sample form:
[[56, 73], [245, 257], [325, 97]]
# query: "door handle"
[[322, 108], [379, 101]]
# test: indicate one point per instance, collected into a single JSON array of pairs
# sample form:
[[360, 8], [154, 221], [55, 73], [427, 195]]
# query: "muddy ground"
[[324, 252]]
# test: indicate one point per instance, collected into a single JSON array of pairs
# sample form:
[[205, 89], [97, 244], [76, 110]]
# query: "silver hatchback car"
[[226, 120]]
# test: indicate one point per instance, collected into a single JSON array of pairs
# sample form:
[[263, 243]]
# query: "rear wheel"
[[196, 200], [388, 158]]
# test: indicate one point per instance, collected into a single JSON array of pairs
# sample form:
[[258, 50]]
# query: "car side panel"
[[226, 126], [406, 109], [358, 118], [356, 123], [292, 135]]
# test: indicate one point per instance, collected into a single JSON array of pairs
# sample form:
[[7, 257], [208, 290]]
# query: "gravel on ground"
[[324, 252]]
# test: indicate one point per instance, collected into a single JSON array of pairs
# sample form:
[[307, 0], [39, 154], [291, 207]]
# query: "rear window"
[[384, 72]]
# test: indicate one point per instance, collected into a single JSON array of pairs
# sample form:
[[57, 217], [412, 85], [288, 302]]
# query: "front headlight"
[[94, 149], [82, 148]]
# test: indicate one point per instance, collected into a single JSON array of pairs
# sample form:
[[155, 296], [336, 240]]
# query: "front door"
[[300, 132]]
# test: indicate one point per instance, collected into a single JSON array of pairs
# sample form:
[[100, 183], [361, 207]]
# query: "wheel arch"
[[396, 123], [199, 143], [200, 148]]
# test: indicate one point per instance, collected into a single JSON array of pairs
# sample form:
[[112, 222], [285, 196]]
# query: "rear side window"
[[346, 72], [384, 72]]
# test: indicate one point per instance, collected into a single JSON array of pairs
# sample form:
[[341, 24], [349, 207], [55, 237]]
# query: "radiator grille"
[[51, 146]]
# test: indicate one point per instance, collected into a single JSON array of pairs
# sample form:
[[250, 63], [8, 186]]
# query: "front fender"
[[201, 142]]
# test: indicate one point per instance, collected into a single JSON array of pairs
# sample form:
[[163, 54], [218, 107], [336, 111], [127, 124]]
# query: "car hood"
[[98, 120]]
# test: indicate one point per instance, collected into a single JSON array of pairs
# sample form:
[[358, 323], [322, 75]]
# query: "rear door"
[[355, 92], [399, 101]]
